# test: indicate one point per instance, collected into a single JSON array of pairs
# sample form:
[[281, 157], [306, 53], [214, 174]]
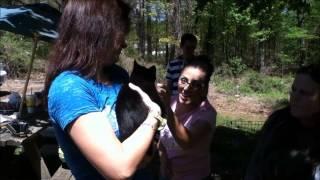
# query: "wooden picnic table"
[[30, 146]]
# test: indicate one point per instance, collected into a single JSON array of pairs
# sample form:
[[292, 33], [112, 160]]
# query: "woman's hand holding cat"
[[154, 109]]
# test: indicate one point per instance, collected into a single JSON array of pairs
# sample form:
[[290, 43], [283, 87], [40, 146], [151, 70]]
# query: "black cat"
[[130, 109]]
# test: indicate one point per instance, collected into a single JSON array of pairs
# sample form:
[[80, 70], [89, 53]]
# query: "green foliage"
[[285, 59], [169, 40], [245, 125], [262, 84], [223, 71], [261, 35], [267, 88], [16, 53], [272, 33], [132, 48], [161, 73], [225, 84], [233, 33], [300, 33], [234, 68], [237, 66]]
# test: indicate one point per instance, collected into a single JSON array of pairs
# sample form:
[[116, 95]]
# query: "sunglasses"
[[194, 85]]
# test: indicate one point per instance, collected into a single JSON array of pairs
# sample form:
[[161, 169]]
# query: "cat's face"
[[143, 74]]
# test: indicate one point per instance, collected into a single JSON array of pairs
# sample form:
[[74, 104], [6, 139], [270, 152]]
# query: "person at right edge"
[[289, 143]]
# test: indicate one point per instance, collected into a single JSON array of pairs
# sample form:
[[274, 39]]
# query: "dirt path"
[[246, 108], [17, 85], [236, 107]]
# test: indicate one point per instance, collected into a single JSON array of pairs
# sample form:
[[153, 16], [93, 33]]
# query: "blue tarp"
[[40, 18]]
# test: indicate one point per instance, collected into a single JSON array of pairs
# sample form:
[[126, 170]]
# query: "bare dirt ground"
[[246, 108], [35, 84]]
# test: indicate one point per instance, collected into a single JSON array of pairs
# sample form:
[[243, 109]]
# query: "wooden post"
[[35, 44]]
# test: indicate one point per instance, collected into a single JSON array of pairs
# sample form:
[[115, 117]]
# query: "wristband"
[[162, 122]]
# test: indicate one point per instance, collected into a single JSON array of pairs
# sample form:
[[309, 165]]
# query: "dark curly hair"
[[204, 63], [188, 37]]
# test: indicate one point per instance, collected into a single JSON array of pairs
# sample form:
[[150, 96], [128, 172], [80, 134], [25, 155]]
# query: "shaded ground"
[[231, 150]]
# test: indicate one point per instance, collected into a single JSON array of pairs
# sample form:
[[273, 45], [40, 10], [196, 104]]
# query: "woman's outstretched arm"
[[94, 136]]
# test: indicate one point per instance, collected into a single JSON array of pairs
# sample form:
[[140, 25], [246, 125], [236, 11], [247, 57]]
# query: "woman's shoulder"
[[282, 114], [70, 78], [206, 107], [68, 81], [206, 112], [277, 119], [68, 75]]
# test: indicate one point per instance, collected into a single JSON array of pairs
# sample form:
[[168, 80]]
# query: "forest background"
[[255, 45]]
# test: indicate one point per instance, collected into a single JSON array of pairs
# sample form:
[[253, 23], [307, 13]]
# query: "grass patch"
[[250, 126], [15, 53], [269, 89]]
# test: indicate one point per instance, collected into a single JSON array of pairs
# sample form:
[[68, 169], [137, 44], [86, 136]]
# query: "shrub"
[[16, 53], [237, 66], [224, 84], [268, 88], [263, 84], [224, 70]]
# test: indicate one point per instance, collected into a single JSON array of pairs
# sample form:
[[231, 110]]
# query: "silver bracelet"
[[162, 122]]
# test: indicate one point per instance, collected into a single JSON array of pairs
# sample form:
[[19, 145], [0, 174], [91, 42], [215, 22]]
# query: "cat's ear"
[[136, 64], [153, 69]]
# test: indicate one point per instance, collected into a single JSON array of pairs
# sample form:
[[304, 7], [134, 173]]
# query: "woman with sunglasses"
[[185, 141]]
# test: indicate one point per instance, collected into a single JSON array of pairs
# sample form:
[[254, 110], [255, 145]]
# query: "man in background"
[[188, 45]]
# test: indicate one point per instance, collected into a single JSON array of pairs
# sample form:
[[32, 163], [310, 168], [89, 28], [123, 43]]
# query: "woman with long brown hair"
[[81, 94]]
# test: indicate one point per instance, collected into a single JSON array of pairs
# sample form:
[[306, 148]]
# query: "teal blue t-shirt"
[[70, 96]]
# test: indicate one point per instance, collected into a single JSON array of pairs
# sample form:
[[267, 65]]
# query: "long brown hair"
[[88, 37]]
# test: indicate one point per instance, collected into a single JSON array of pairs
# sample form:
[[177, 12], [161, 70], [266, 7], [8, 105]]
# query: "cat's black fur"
[[130, 109]]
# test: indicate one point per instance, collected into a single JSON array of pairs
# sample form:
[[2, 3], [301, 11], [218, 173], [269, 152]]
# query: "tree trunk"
[[167, 34], [301, 42], [209, 47], [188, 16], [141, 27], [261, 57], [175, 21], [149, 33]]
